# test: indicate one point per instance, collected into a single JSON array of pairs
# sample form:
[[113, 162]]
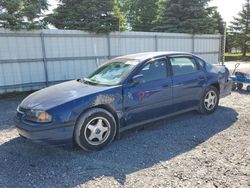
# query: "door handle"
[[178, 85], [165, 85], [201, 78]]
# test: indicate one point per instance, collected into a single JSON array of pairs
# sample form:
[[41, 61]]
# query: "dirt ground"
[[189, 150]]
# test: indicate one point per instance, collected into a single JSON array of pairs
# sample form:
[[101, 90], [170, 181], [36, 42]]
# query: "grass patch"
[[237, 57]]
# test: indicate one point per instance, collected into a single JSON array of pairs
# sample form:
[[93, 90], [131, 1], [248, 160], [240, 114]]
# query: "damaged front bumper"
[[53, 134]]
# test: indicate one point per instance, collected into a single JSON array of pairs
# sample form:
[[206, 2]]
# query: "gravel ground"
[[189, 150]]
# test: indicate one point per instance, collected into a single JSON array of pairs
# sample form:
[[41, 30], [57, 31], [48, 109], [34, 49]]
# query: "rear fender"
[[220, 75]]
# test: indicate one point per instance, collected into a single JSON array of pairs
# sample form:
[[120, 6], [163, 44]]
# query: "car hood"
[[50, 97]]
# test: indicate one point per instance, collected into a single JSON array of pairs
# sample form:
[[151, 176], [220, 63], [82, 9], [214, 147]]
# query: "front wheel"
[[209, 101], [95, 129]]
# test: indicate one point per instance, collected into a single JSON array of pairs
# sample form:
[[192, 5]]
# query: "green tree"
[[182, 16], [232, 42], [94, 16], [219, 26], [140, 14], [240, 28], [22, 14]]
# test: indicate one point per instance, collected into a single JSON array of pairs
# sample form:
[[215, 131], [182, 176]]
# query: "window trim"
[[168, 68], [183, 56], [199, 59]]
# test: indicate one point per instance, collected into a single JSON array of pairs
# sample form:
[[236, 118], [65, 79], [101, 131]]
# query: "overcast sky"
[[227, 8]]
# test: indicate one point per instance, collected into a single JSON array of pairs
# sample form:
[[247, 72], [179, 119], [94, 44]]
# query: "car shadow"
[[30, 165], [242, 91]]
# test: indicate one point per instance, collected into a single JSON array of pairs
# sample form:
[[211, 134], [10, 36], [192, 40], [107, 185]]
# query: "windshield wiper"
[[87, 81]]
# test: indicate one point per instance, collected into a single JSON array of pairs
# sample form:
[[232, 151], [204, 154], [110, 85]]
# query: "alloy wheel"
[[97, 131], [210, 100]]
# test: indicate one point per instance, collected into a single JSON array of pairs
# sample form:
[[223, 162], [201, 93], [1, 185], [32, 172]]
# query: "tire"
[[248, 88], [239, 85], [209, 101], [234, 86], [95, 129]]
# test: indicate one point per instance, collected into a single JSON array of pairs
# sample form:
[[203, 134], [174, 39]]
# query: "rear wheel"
[[234, 86], [239, 85], [95, 129], [209, 101], [248, 88]]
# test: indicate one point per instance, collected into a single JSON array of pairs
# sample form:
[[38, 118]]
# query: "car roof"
[[149, 55]]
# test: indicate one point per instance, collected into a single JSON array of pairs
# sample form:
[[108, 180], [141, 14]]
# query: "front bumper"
[[54, 134]]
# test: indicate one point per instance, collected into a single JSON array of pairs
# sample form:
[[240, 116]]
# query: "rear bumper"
[[55, 135], [226, 89]]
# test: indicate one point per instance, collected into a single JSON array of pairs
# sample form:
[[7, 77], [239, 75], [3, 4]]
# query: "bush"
[[236, 57]]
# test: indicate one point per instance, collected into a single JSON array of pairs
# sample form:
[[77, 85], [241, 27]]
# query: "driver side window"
[[155, 70]]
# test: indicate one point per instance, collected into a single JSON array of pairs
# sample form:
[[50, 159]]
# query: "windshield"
[[112, 73]]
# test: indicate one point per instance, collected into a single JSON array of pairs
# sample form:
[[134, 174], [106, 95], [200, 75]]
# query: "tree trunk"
[[245, 50]]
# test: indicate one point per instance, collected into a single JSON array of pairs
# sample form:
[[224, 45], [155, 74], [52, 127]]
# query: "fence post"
[[44, 58], [109, 47], [224, 40], [222, 49], [193, 43], [156, 43]]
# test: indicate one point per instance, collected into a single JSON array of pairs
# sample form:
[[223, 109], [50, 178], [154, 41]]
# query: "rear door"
[[151, 99], [188, 81]]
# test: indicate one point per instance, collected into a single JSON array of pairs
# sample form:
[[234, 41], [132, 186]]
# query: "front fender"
[[111, 100]]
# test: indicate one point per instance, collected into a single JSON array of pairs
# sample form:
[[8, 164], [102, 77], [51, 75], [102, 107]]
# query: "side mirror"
[[138, 79]]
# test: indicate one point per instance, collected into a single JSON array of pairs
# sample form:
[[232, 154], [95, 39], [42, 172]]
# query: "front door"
[[151, 99]]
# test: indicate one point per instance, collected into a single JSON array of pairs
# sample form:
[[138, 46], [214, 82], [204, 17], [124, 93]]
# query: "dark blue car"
[[123, 93]]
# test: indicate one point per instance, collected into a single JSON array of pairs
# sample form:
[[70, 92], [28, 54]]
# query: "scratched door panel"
[[147, 101]]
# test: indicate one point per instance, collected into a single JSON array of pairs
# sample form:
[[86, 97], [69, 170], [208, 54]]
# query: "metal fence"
[[31, 60]]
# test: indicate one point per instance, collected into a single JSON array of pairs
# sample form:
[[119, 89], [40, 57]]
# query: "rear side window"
[[155, 70], [183, 65]]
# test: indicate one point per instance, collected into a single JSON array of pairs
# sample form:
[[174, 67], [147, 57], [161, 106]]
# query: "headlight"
[[38, 116]]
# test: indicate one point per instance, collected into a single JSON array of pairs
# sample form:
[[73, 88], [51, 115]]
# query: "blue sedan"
[[123, 93]]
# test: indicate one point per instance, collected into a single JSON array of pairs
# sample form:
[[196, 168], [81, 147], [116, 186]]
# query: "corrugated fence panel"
[[174, 42], [75, 46], [210, 44], [20, 47], [34, 59], [175, 45], [207, 46], [20, 73], [131, 42], [68, 70], [210, 58]]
